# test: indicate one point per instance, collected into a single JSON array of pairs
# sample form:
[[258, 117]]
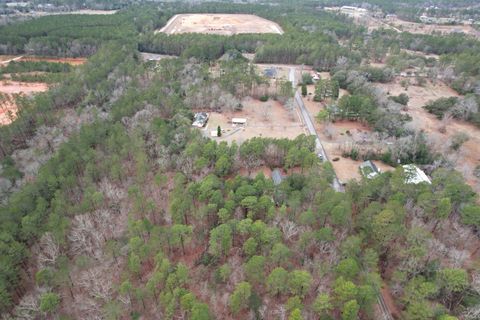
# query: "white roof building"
[[239, 120], [200, 119], [415, 175]]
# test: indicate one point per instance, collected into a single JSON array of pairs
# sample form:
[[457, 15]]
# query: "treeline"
[[30, 66], [201, 46], [76, 35]]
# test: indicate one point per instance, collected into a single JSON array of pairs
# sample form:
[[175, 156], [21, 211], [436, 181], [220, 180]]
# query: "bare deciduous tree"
[[289, 229], [49, 250], [28, 308]]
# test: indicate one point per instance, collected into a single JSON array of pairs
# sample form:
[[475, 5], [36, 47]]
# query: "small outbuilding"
[[369, 170], [239, 121]]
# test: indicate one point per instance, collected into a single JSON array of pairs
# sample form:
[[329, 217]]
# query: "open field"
[[421, 28], [340, 134], [223, 24], [14, 87], [468, 157], [8, 88], [264, 119]]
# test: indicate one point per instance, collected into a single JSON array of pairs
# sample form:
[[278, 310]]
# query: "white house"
[[414, 175]]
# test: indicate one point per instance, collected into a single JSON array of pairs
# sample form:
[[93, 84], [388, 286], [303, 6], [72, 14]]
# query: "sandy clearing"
[[416, 28], [468, 157], [223, 24], [421, 28], [72, 61], [12, 87], [276, 123], [8, 108], [4, 58]]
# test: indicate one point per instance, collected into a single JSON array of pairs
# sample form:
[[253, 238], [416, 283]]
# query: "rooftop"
[[415, 175]]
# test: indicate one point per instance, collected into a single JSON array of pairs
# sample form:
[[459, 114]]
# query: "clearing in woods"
[[467, 158], [268, 119], [223, 24], [9, 90]]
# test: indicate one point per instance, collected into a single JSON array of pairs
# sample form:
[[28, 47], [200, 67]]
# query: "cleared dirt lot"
[[72, 61], [264, 119], [468, 157], [421, 28], [5, 59], [223, 24], [8, 91]]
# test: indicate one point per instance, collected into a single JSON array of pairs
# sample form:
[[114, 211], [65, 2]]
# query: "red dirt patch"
[[72, 61]]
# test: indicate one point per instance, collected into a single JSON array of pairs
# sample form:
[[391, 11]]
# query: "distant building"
[[353, 10], [200, 119], [427, 19], [239, 121], [391, 16], [369, 170], [331, 9], [414, 175], [17, 4]]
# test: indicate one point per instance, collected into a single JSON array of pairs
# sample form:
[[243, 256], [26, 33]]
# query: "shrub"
[[402, 98]]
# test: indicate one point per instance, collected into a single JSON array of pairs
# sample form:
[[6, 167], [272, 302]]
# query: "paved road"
[[307, 120], [319, 147]]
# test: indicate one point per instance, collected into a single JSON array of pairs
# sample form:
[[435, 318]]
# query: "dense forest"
[[131, 213]]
